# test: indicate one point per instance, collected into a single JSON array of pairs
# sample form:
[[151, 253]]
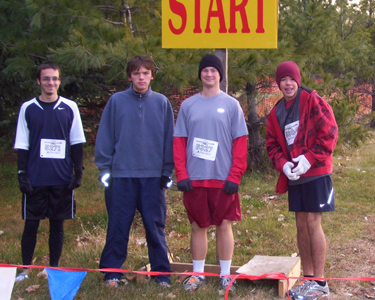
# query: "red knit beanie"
[[288, 68]]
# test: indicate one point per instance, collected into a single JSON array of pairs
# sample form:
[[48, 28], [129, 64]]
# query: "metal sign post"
[[223, 55]]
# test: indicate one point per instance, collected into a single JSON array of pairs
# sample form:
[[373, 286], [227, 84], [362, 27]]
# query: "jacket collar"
[[139, 95]]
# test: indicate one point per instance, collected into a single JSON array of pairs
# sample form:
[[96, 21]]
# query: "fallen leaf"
[[172, 234], [81, 244], [45, 259], [32, 288], [142, 241], [170, 295], [130, 277], [181, 278]]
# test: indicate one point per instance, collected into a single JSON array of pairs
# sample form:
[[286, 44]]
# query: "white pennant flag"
[[7, 276]]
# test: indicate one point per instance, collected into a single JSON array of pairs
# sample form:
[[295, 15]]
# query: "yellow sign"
[[219, 24]]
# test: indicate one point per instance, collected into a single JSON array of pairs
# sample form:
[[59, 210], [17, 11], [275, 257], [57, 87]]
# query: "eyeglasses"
[[47, 79]]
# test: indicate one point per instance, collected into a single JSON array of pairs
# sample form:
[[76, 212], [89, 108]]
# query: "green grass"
[[267, 228]]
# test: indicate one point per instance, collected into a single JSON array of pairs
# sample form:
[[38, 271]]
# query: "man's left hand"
[[76, 180], [230, 187], [303, 165], [165, 182]]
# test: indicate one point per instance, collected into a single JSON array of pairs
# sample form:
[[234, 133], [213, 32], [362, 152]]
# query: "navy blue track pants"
[[123, 198]]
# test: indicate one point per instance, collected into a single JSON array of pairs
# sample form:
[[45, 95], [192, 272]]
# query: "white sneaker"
[[113, 282], [224, 282], [312, 291], [193, 282], [301, 284], [43, 274], [21, 277]]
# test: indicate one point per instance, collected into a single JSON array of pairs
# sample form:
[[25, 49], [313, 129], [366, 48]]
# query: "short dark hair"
[[138, 61], [47, 65]]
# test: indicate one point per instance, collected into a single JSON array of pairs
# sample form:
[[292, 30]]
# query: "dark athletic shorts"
[[313, 196], [54, 202], [210, 206]]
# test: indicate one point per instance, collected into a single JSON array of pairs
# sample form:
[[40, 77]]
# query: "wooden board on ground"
[[259, 265], [184, 267]]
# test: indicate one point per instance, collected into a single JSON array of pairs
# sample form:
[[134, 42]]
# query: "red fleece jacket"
[[316, 138]]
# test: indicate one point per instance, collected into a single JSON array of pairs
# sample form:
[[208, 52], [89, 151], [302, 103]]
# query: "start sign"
[[219, 23]]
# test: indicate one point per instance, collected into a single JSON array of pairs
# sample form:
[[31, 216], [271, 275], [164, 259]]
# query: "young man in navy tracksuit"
[[134, 154]]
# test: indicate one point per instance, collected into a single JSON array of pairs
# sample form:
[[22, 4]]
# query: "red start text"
[[179, 9]]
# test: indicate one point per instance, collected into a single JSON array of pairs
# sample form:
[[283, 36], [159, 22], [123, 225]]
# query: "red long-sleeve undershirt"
[[239, 162]]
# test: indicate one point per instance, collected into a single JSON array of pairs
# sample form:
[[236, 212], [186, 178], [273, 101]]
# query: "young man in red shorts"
[[210, 150]]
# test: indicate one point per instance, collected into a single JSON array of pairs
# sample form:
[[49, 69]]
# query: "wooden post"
[[223, 55]]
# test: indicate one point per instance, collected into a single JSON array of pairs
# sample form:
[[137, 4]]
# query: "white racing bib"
[[52, 148], [291, 132], [205, 149]]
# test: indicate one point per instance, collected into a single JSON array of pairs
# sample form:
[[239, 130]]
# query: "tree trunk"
[[253, 125], [127, 16]]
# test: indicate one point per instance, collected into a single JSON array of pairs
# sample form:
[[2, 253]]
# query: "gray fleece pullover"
[[135, 136]]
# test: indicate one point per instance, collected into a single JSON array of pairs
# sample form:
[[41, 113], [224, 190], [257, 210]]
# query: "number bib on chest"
[[291, 132], [205, 149], [52, 148]]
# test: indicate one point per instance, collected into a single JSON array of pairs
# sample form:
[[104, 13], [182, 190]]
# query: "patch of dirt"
[[9, 156], [353, 260]]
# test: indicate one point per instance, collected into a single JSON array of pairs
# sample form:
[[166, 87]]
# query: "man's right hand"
[[287, 169], [25, 184], [184, 185], [105, 179]]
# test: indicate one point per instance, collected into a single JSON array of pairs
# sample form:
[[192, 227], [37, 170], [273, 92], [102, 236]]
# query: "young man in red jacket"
[[210, 149], [300, 138]]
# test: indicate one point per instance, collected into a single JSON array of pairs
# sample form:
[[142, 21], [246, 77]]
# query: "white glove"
[[287, 169], [303, 165]]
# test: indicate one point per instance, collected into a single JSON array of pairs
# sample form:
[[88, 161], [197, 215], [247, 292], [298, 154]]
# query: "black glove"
[[230, 187], [184, 185], [164, 180], [105, 179], [25, 184], [76, 180]]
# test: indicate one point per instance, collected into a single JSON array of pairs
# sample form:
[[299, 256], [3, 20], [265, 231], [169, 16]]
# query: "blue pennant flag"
[[63, 285]]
